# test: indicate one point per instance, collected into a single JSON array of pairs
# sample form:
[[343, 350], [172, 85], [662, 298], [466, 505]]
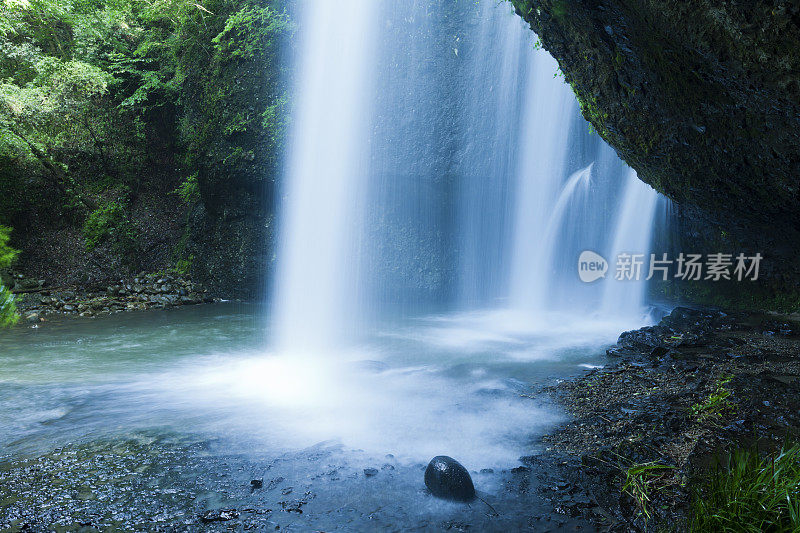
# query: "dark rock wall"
[[232, 251], [702, 98]]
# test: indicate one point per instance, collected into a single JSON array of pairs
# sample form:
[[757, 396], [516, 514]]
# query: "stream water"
[[190, 401]]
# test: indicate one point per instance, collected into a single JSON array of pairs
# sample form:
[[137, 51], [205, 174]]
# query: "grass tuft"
[[717, 403], [641, 479], [748, 492]]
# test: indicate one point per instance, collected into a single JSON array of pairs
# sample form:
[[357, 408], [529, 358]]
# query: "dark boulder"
[[642, 340], [447, 479]]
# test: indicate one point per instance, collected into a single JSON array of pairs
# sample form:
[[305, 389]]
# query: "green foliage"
[[62, 127], [717, 403], [183, 266], [98, 96], [8, 311], [109, 223], [591, 112], [189, 190], [641, 479], [249, 33], [7, 254], [748, 492], [231, 86]]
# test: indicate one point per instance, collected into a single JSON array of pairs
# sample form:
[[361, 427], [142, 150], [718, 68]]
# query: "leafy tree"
[[8, 311], [62, 130], [232, 94], [102, 100]]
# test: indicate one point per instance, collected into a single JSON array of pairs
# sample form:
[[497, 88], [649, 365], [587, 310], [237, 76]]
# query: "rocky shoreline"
[[36, 301], [676, 397]]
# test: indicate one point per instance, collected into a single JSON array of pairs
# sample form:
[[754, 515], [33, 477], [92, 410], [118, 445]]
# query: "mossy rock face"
[[701, 97]]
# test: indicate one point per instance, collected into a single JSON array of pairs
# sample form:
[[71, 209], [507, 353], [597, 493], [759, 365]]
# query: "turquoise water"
[[468, 386]]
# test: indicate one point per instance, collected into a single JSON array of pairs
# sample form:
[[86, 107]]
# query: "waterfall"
[[542, 272], [542, 154], [325, 175], [632, 235], [496, 70], [437, 161], [554, 223]]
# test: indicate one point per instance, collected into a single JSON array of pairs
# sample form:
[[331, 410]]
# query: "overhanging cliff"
[[701, 97]]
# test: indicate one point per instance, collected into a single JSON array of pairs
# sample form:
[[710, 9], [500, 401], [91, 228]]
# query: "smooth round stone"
[[447, 479]]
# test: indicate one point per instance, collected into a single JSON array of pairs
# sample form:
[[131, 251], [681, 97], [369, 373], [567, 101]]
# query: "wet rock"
[[446, 478], [256, 483], [293, 507], [219, 515], [27, 284], [369, 472], [275, 482], [652, 405], [137, 294], [644, 340], [453, 525], [615, 351], [783, 379], [774, 327], [682, 318], [659, 351]]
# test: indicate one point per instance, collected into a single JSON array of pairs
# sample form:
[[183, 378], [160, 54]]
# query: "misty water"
[[413, 389], [200, 377], [439, 187]]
